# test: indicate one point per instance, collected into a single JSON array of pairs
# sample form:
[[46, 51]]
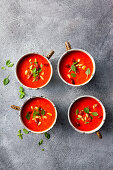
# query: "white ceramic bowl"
[[92, 131], [30, 129], [61, 58], [27, 86]]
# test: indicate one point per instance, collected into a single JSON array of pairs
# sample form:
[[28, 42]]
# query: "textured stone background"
[[39, 26]]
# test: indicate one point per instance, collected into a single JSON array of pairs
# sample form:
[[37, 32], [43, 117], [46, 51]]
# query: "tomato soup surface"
[[33, 70], [76, 67], [38, 114], [86, 114]]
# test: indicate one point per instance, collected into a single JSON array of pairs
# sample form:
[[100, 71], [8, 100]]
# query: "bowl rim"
[[76, 49], [32, 87], [30, 129], [101, 124]]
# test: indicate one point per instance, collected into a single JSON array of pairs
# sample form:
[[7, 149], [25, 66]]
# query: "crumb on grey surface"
[[41, 26]]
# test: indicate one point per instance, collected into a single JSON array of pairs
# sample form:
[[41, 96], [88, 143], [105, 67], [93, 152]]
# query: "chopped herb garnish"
[[6, 80], [43, 112], [41, 65], [9, 64], [3, 68], [40, 142], [91, 117], [73, 74], [94, 113], [35, 62], [28, 116], [86, 122], [47, 135], [76, 62], [35, 113], [77, 111], [20, 134], [39, 70], [42, 149], [73, 68], [86, 110], [87, 72], [78, 118], [34, 70], [25, 131]]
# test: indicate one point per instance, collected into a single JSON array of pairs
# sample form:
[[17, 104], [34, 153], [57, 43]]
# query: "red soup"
[[76, 67], [38, 114], [86, 114], [34, 70]]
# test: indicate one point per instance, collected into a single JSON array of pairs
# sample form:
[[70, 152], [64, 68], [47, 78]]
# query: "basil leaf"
[[10, 65], [34, 70], [47, 135], [77, 111], [3, 68], [8, 62], [73, 74], [94, 113], [86, 122], [78, 118], [25, 131], [21, 89], [87, 71], [86, 110], [39, 70], [6, 81], [22, 96], [73, 68], [40, 142], [43, 112], [76, 62], [28, 116]]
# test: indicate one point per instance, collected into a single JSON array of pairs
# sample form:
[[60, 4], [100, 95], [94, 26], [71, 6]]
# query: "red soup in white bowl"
[[86, 114]]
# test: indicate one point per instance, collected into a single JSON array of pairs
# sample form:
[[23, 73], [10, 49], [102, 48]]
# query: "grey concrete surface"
[[40, 26]]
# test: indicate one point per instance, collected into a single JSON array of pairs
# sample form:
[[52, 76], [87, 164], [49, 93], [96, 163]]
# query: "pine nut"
[[83, 67], [50, 114], [69, 76], [26, 72], [41, 77]]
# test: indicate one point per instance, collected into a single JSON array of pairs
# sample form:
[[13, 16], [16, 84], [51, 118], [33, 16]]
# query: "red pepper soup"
[[76, 67], [86, 114], [33, 70], [38, 114]]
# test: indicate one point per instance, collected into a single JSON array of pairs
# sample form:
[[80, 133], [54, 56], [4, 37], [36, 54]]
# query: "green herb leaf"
[[73, 68], [34, 70], [40, 142], [8, 62], [21, 137], [87, 71], [39, 70], [19, 134], [6, 81], [19, 131], [94, 113], [35, 62], [86, 122], [25, 131], [73, 74], [76, 62], [11, 65], [42, 149], [78, 118], [3, 68], [21, 89], [47, 135], [91, 117], [43, 112], [28, 116], [41, 65], [77, 111], [22, 96], [86, 110]]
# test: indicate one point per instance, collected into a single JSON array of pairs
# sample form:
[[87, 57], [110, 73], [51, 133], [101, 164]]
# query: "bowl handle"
[[99, 134], [50, 54], [15, 107], [68, 46]]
